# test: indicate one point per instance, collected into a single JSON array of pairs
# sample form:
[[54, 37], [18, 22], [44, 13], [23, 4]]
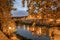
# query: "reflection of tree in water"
[[52, 34]]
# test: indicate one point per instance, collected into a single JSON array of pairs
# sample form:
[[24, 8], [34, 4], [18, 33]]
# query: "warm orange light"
[[58, 21], [39, 31], [10, 28], [50, 20]]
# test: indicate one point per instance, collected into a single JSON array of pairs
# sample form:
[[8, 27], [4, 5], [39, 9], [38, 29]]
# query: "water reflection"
[[39, 33], [54, 33]]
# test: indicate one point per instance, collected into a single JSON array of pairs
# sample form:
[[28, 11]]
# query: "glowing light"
[[50, 19], [33, 29], [10, 28]]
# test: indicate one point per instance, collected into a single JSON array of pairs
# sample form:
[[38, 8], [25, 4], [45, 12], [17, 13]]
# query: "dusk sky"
[[21, 11], [18, 5]]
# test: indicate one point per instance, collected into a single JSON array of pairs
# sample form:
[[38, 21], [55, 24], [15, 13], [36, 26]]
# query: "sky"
[[20, 10], [18, 5]]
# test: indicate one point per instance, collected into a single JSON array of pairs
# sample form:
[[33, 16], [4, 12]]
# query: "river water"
[[38, 33]]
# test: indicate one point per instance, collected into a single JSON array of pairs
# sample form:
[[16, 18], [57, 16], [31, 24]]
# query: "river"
[[38, 33]]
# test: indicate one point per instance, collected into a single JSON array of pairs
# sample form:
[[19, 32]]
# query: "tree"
[[8, 25], [49, 9]]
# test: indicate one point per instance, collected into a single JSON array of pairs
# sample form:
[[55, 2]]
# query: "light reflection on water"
[[39, 33], [32, 32]]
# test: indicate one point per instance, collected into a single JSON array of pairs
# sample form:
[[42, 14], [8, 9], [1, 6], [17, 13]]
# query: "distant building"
[[19, 15]]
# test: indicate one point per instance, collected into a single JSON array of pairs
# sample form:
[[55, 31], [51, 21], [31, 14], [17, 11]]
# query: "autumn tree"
[[8, 25], [47, 9]]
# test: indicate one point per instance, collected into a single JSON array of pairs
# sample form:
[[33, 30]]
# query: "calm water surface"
[[33, 33]]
